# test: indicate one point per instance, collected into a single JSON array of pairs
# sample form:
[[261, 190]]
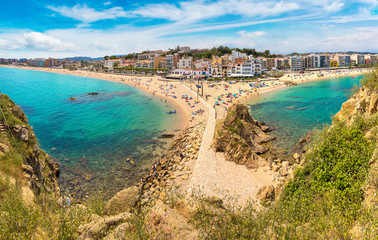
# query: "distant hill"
[[84, 59]]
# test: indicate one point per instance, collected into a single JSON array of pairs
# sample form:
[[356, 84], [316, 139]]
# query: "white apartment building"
[[296, 63], [237, 54], [245, 69], [358, 58], [185, 63]]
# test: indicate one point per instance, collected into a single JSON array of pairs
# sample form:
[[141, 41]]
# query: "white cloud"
[[355, 39], [197, 10], [334, 6], [87, 15], [8, 45], [107, 3], [370, 2], [251, 34], [41, 42]]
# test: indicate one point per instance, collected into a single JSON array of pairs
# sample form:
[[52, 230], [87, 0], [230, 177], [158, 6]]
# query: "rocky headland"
[[40, 172]]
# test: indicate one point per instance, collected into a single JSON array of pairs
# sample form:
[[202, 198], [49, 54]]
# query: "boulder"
[[21, 132], [175, 222], [4, 148], [99, 228], [266, 193], [27, 168], [265, 128], [123, 201], [119, 232]]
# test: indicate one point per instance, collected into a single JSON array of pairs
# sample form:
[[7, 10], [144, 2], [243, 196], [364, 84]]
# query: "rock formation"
[[364, 103], [242, 138], [40, 171]]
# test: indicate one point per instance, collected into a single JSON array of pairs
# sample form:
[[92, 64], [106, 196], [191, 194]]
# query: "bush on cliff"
[[371, 81], [322, 201]]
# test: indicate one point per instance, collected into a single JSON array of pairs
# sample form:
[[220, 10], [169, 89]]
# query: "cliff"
[[20, 153]]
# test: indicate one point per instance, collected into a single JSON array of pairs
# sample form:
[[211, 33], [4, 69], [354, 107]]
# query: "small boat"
[[171, 112]]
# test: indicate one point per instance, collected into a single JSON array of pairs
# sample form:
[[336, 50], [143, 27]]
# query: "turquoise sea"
[[92, 136], [298, 109]]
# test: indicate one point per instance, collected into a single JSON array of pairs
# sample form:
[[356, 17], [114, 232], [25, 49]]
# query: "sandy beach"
[[323, 74], [210, 170]]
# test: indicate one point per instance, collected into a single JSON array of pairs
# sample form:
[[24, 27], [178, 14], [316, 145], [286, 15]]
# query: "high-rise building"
[[324, 60], [296, 63], [171, 61]]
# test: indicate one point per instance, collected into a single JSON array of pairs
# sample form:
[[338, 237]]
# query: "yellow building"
[[334, 63], [217, 60], [157, 61]]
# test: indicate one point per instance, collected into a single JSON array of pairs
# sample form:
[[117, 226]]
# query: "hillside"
[[30, 203]]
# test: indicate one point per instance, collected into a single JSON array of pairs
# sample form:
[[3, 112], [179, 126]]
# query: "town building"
[[171, 61], [185, 63], [296, 63]]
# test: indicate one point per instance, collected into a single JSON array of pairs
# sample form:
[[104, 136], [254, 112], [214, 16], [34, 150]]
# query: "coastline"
[[180, 172], [329, 74], [141, 82], [244, 99]]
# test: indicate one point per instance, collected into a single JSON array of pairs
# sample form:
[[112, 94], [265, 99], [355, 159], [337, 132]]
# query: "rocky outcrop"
[[242, 138], [266, 194], [123, 201], [21, 132], [174, 222], [101, 227], [40, 171], [364, 103]]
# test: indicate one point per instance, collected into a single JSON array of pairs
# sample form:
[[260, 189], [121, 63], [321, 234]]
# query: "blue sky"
[[40, 28]]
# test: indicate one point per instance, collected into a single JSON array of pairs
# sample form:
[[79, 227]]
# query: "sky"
[[95, 28]]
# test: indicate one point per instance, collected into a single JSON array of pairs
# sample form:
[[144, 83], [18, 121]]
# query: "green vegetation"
[[371, 81], [41, 219], [323, 201]]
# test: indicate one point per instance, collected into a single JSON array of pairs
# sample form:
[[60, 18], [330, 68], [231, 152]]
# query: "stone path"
[[214, 176]]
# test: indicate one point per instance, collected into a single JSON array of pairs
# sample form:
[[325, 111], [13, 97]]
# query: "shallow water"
[[92, 136], [298, 109]]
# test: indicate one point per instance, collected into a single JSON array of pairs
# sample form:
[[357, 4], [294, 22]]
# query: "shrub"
[[371, 80]]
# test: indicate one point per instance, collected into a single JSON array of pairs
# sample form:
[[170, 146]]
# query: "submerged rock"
[[93, 93], [167, 135]]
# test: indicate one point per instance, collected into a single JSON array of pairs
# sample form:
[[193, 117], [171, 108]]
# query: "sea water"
[[93, 137], [297, 109]]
